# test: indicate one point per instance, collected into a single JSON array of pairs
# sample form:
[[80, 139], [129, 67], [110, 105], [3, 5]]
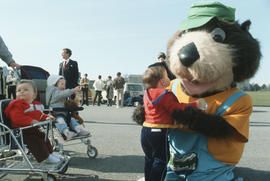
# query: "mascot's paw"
[[139, 115], [208, 124], [183, 117]]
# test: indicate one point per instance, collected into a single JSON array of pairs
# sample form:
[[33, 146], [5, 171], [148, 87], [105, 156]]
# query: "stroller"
[[13, 153], [39, 76]]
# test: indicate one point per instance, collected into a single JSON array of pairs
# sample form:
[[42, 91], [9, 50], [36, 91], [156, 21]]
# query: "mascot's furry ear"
[[139, 115], [245, 26]]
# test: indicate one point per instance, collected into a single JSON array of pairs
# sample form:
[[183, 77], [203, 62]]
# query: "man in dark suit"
[[69, 69]]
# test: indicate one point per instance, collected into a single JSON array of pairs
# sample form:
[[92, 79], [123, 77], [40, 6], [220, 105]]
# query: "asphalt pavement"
[[120, 157]]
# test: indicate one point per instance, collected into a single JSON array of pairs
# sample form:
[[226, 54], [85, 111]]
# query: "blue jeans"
[[155, 146], [61, 124]]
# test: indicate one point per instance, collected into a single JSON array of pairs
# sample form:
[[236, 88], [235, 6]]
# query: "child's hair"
[[58, 81], [26, 81], [152, 75]]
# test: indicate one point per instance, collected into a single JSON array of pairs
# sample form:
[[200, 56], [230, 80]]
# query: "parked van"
[[133, 89]]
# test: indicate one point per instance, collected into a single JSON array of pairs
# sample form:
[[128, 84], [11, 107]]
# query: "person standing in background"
[[109, 90], [69, 70], [161, 57], [6, 56], [84, 83], [118, 84], [2, 84], [11, 82], [98, 85]]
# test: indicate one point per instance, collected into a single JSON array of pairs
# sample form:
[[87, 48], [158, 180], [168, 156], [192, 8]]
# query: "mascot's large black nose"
[[188, 54]]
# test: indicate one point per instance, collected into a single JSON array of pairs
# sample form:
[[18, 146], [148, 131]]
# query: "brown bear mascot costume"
[[209, 54]]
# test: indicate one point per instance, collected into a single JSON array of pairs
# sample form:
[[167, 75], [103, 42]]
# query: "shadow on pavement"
[[113, 123], [252, 175], [257, 111], [70, 177], [256, 123], [81, 177], [116, 164]]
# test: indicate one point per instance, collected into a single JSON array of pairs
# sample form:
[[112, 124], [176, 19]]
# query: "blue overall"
[[190, 159]]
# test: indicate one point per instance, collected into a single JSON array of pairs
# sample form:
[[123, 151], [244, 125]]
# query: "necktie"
[[64, 64], [2, 85]]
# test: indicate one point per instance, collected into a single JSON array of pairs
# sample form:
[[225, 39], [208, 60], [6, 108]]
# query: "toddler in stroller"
[[56, 94], [25, 111]]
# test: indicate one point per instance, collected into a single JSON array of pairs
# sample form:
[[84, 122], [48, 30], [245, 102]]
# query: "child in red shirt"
[[159, 104], [25, 111]]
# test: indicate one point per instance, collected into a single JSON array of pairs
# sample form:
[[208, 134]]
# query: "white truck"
[[134, 85], [132, 88]]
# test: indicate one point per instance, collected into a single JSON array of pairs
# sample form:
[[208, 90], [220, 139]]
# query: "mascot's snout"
[[188, 54]]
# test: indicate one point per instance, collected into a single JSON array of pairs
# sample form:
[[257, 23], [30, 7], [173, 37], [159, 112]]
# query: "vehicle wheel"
[[92, 152], [50, 177], [64, 170]]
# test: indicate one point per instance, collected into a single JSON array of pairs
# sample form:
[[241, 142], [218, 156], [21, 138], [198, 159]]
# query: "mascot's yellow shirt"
[[228, 150]]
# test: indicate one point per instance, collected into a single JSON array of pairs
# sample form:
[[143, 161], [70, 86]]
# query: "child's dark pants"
[[155, 146], [35, 141]]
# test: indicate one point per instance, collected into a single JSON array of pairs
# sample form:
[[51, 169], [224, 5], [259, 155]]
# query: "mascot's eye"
[[218, 35]]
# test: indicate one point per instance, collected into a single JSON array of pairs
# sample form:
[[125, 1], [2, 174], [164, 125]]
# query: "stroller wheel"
[[92, 152], [64, 170], [50, 177]]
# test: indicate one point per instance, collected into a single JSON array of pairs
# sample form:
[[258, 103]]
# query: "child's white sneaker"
[[70, 134], [52, 160], [83, 132]]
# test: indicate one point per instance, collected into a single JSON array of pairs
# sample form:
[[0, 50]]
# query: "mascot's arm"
[[207, 124]]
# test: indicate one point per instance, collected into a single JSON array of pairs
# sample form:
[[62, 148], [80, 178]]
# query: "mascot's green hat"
[[202, 12]]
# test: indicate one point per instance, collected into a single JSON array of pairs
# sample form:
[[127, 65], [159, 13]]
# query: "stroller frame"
[[19, 162], [91, 150]]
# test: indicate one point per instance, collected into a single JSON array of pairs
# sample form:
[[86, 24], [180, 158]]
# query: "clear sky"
[[107, 36]]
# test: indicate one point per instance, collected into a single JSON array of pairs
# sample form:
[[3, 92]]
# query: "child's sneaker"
[[83, 132], [52, 160], [70, 134]]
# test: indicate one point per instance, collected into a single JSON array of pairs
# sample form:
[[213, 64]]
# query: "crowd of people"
[[68, 68]]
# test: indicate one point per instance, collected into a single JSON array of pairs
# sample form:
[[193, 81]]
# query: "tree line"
[[256, 87]]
